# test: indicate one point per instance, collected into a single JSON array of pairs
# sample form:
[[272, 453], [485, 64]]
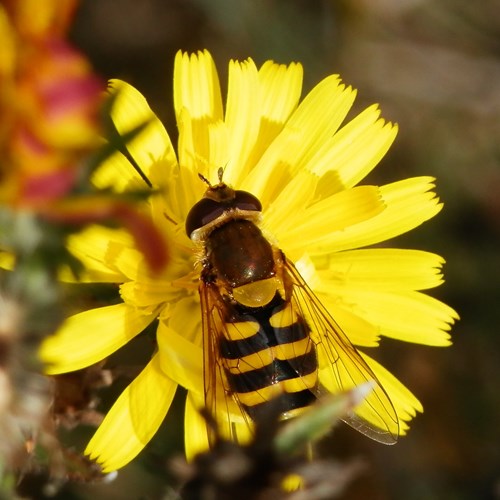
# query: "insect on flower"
[[265, 333], [280, 249]]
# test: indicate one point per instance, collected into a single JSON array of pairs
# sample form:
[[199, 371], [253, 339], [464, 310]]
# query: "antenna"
[[220, 173], [204, 179]]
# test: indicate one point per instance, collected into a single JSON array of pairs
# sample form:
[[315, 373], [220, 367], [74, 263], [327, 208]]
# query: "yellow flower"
[[303, 165]]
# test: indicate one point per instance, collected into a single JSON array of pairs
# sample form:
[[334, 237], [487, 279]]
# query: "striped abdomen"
[[268, 352]]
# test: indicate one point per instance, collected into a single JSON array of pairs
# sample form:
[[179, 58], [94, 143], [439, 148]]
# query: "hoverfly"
[[265, 333]]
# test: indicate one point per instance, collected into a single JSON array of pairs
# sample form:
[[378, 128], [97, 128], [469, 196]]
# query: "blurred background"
[[434, 67]]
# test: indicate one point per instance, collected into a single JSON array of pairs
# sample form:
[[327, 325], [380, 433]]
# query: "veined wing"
[[232, 421], [341, 366]]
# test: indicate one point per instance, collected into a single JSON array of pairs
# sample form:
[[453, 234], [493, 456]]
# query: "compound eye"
[[203, 212], [208, 209], [246, 201]]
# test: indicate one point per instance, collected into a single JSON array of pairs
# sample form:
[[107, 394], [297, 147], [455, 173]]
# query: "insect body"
[[265, 332]]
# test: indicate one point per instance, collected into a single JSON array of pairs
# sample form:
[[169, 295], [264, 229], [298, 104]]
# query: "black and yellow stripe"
[[267, 351]]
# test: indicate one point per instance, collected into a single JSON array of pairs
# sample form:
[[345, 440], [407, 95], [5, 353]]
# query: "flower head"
[[304, 165]]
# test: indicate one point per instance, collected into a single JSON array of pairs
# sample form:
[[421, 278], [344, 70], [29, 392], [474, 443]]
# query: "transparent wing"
[[341, 367], [232, 421]]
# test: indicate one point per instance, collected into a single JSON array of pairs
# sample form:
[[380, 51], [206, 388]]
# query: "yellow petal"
[[180, 359], [353, 151], [185, 318], [409, 203], [315, 120], [117, 173], [320, 114], [283, 213], [152, 147], [198, 108], [320, 223], [196, 86], [345, 372], [99, 249], [241, 430], [134, 418], [408, 316], [357, 329], [404, 402], [381, 269], [148, 294], [149, 290], [231, 425], [90, 336], [183, 187], [195, 428], [203, 149], [268, 107], [242, 116], [280, 89]]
